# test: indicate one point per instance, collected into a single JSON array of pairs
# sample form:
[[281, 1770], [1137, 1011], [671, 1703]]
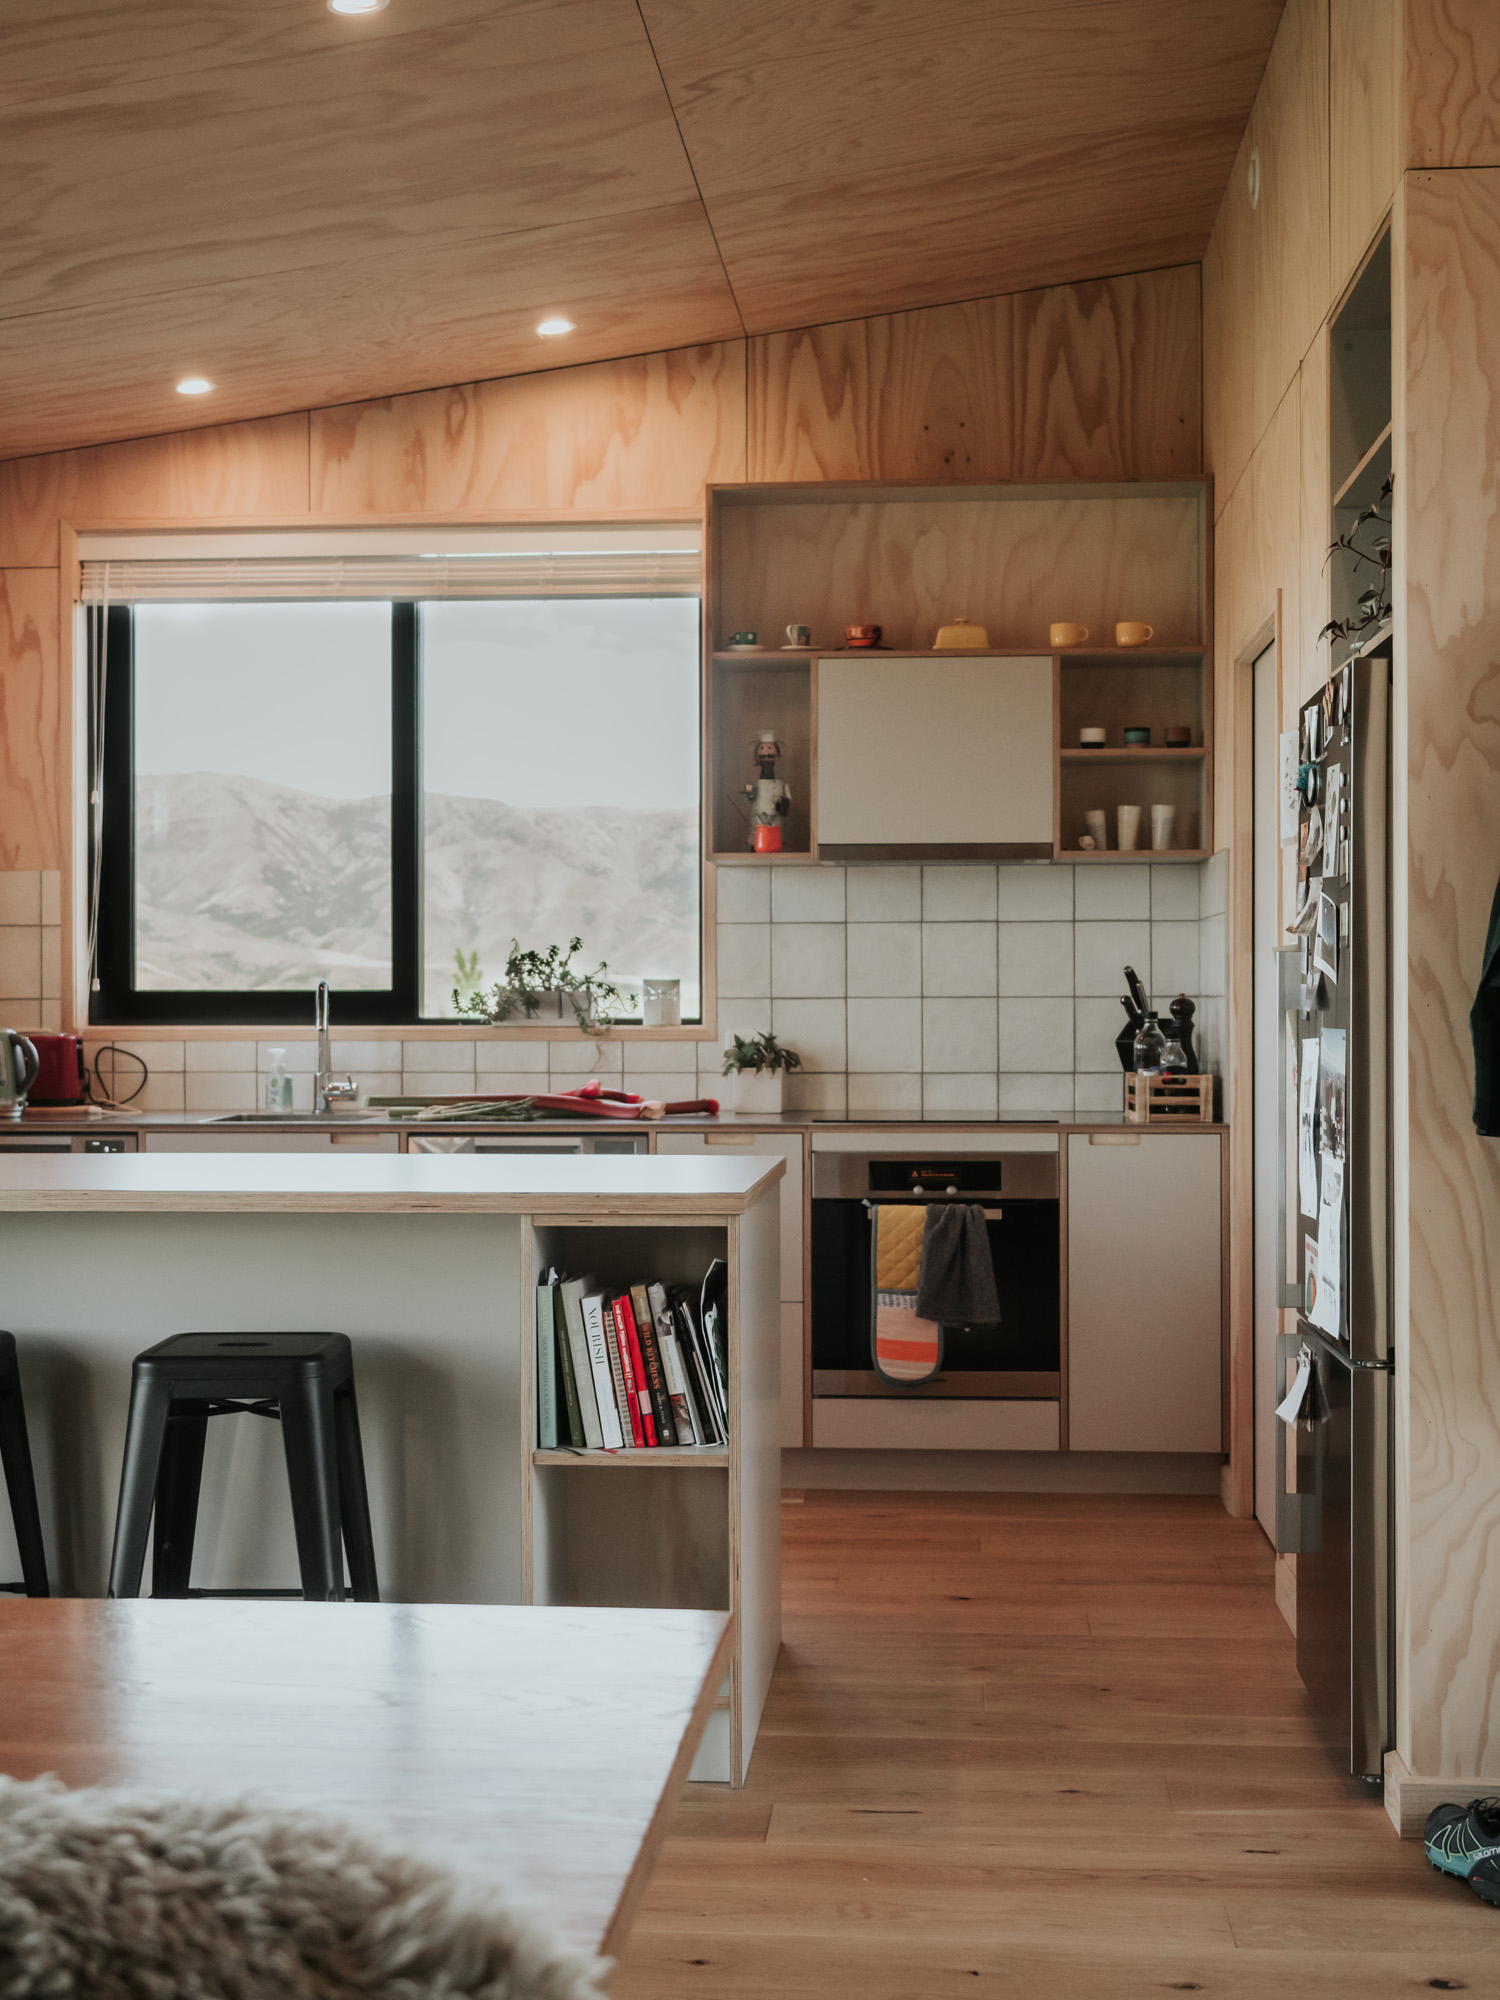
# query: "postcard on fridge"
[[1331, 1102], [1327, 1306], [1307, 1129]]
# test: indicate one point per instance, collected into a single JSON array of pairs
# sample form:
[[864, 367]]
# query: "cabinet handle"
[[744, 1139], [1114, 1138]]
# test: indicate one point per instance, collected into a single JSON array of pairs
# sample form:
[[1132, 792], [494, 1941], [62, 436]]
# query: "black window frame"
[[115, 1000]]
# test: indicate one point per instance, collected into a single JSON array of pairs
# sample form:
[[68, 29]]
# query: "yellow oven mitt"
[[905, 1349]]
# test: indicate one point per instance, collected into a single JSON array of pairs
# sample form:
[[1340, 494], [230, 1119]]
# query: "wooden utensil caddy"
[[1178, 1100]]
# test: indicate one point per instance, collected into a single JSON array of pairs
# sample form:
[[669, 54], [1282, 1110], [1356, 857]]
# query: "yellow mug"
[[1130, 634], [1067, 635]]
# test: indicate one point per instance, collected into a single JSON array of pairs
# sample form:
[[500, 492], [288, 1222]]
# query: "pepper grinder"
[[1182, 1011]]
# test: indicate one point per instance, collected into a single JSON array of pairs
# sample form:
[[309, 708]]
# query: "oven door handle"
[[990, 1214]]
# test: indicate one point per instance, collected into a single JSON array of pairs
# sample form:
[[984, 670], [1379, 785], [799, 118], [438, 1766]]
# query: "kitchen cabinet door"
[[1145, 1313], [937, 758], [711, 1145]]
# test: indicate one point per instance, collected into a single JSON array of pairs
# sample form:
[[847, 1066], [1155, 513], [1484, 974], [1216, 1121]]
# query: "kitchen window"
[[384, 792]]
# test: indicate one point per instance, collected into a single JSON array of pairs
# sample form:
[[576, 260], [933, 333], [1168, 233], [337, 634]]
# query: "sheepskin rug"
[[115, 1896]]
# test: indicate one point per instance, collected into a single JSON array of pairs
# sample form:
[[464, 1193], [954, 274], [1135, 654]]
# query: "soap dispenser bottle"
[[278, 1083]]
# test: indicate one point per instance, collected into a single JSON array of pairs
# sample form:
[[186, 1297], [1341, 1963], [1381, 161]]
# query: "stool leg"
[[310, 1442], [178, 1480], [145, 1428], [20, 1484], [354, 1499]]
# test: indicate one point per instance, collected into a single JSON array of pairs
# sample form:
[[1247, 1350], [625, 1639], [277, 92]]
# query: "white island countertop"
[[311, 1184]]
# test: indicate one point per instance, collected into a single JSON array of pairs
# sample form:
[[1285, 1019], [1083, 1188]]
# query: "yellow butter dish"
[[962, 635]]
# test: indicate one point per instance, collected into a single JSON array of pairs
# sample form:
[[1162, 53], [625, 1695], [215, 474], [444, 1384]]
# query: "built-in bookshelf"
[[680, 1528]]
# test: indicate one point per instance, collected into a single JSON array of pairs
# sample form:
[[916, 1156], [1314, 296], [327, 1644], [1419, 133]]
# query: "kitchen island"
[[428, 1264]]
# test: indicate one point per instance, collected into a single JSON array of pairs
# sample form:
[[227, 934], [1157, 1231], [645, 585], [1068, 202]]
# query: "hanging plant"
[[533, 979]]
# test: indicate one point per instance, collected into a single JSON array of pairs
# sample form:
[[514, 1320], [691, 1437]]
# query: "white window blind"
[[633, 561]]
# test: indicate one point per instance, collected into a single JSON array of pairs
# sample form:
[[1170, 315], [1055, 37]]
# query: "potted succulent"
[[759, 1066], [539, 986]]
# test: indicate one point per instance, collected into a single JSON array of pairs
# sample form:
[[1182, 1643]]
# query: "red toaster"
[[61, 1077]]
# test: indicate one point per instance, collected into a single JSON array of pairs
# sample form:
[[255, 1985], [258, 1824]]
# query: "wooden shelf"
[[764, 656], [1103, 655], [1367, 461], [1133, 753], [659, 1455], [1135, 854]]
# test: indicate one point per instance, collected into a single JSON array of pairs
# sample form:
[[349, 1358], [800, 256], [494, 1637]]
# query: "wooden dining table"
[[540, 1749]]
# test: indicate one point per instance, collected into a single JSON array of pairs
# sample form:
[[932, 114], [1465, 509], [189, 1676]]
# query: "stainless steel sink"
[[299, 1118]]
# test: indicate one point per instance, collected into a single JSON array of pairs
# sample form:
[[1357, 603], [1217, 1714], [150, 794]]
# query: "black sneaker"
[[1485, 1881], [1457, 1838]]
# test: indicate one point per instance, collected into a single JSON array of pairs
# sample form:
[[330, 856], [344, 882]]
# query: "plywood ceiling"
[[310, 208]]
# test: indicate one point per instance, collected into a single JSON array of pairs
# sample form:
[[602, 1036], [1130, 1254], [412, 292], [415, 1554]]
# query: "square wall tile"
[[157, 1056], [1213, 975], [22, 1012], [581, 1055], [1176, 890], [221, 1090], [1036, 1035], [745, 960], [219, 1056], [1102, 951], [508, 1083], [301, 1058], [450, 1057], [885, 1035], [1035, 959], [1112, 893], [814, 1092], [659, 1056], [973, 1094], [807, 960], [743, 1017], [350, 1055], [1098, 1093], [51, 895], [51, 962], [162, 1092], [1174, 962], [884, 961], [512, 1053], [50, 1022], [20, 895], [814, 1028], [807, 895], [958, 893], [959, 1035], [958, 959], [1214, 885], [21, 961], [377, 1083], [1050, 1096], [874, 1095], [670, 1085], [1034, 892], [743, 895], [437, 1082], [1095, 1025], [883, 895]]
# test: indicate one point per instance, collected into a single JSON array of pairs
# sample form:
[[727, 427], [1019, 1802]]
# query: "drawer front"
[[875, 1424]]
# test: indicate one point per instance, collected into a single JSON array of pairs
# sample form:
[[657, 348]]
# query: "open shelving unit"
[[1011, 557], [1359, 432], [694, 1528]]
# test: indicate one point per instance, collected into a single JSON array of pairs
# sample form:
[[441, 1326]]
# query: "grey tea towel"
[[956, 1281]]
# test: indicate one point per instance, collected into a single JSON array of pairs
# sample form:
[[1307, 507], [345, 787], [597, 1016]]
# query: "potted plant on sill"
[[759, 1066], [539, 986]]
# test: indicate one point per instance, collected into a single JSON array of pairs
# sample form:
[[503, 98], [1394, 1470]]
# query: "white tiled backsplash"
[[960, 988]]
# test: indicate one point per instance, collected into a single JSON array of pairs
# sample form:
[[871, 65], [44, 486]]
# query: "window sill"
[[259, 1031]]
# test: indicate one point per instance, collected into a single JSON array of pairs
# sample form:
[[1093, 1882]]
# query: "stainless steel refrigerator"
[[1334, 1470]]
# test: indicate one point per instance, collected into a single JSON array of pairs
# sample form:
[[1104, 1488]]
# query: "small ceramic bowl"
[[862, 635], [1137, 737], [1178, 737], [1092, 739]]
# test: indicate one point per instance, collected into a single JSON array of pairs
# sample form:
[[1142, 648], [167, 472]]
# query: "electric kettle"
[[19, 1064]]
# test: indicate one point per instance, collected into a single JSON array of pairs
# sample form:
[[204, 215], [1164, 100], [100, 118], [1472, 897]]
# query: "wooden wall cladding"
[[31, 734], [1094, 381], [1452, 83], [230, 471], [1449, 501], [614, 436], [1364, 82]]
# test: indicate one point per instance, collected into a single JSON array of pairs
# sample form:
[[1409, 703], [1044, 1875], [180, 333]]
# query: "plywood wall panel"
[[1449, 502], [1364, 45], [1229, 332], [1306, 661], [31, 714], [615, 436], [227, 471], [1451, 97]]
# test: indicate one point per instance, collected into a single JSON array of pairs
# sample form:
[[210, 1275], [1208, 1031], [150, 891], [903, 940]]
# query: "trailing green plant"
[[593, 996], [758, 1052]]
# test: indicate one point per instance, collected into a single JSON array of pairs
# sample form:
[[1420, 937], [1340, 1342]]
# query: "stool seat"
[[20, 1480], [306, 1382]]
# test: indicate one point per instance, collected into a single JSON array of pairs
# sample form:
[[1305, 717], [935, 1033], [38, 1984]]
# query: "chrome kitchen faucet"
[[327, 1089]]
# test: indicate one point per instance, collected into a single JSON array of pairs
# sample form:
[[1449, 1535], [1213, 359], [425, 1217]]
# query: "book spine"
[[565, 1363], [671, 1361], [656, 1374], [546, 1371], [642, 1386], [604, 1387], [583, 1375], [706, 1376], [617, 1378], [627, 1369]]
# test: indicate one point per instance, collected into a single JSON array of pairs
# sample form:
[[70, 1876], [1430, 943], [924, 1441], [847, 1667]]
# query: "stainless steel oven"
[[1019, 1358]]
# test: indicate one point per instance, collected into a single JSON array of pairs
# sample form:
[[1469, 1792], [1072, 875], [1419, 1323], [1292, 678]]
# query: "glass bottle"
[[1174, 1060], [1149, 1043], [278, 1083]]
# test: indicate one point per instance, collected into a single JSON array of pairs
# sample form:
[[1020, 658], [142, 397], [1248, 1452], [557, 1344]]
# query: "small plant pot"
[[759, 1091]]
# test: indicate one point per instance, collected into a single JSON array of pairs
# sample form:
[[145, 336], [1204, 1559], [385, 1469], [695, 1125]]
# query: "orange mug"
[[1130, 634], [1067, 635]]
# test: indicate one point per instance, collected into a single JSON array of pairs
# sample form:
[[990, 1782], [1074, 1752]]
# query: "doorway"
[[1265, 872]]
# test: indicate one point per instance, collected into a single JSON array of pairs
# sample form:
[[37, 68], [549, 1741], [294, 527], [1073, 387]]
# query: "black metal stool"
[[304, 1379], [20, 1482]]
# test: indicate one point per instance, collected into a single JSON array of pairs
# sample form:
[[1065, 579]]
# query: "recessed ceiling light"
[[550, 328], [194, 385], [357, 6]]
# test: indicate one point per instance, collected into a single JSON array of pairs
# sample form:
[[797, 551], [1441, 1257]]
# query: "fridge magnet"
[[1310, 845], [1307, 1129], [1326, 936], [1326, 1308], [1291, 797], [1309, 1274], [1331, 1093]]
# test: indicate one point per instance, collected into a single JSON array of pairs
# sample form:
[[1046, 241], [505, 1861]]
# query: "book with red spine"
[[627, 1369], [656, 1368], [642, 1385]]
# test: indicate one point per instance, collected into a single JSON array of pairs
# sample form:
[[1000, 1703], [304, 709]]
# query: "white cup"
[[1163, 818], [1128, 821], [1096, 824]]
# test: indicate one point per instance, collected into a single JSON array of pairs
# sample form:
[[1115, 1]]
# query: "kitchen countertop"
[[82, 1120]]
